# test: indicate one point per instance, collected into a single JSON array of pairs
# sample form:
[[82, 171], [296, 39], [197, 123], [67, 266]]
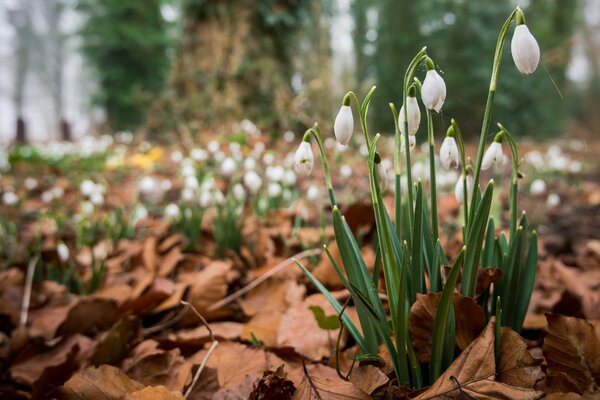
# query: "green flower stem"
[[514, 180], [463, 161], [363, 121], [492, 91], [398, 173], [410, 72], [316, 132]]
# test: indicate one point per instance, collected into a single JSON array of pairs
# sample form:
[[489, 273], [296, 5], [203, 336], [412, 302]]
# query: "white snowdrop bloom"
[[274, 189], [304, 159], [268, 159], [143, 147], [387, 163], [97, 198], [313, 193], [207, 184], [554, 151], [252, 181], [238, 191], [275, 173], [433, 92], [87, 187], [412, 143], [419, 170], [559, 163], [205, 199], [57, 192], [459, 188], [414, 116], [87, 208], [537, 187], [199, 154], [99, 188], [248, 126], [176, 156], [63, 252], [124, 137], [536, 159], [213, 146], [147, 185], [259, 148], [30, 183], [47, 197], [493, 156], [139, 213], [575, 167], [424, 148], [525, 50], [289, 178], [218, 197], [449, 156], [10, 198], [172, 211], [363, 150], [165, 185], [289, 136], [188, 194], [287, 194], [553, 200], [330, 143], [340, 148], [228, 167], [346, 171], [191, 182], [382, 176], [343, 126], [219, 156], [188, 170], [234, 147]]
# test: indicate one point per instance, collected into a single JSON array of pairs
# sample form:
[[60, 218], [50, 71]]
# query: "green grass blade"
[[487, 259], [526, 282]]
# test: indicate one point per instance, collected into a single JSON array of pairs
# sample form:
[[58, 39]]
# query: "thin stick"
[[212, 348], [27, 291], [264, 277], [310, 381]]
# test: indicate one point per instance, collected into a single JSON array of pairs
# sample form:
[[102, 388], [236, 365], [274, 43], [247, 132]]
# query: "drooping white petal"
[[304, 159], [343, 126], [414, 116], [382, 176], [459, 192], [525, 50], [433, 91], [493, 156], [412, 143], [449, 153]]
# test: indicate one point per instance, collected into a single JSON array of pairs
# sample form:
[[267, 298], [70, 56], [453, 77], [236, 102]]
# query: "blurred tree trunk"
[[359, 37], [235, 62]]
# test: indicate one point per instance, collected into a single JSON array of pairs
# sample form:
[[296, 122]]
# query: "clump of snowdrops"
[[409, 250]]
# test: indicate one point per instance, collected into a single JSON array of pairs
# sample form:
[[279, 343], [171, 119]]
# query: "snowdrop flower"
[[289, 136], [343, 127], [219, 156], [413, 111], [259, 147], [97, 198], [382, 176], [252, 181], [412, 143], [553, 200], [433, 92], [228, 167], [165, 185], [58, 192], [176, 156], [139, 213], [218, 197], [493, 155], [268, 159], [275, 173], [304, 159], [191, 182], [172, 211], [250, 164], [313, 193], [346, 171], [205, 199], [188, 170], [47, 197], [147, 185], [188, 194], [239, 192], [524, 48], [63, 252], [213, 146], [199, 154], [87, 208], [459, 188], [289, 178], [10, 198], [207, 184], [87, 187], [537, 187], [575, 167], [449, 153], [31, 183], [274, 190]]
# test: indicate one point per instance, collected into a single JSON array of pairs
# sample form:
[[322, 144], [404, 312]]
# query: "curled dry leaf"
[[517, 367], [571, 347], [368, 378], [473, 374], [485, 277], [207, 287], [327, 387], [114, 344], [105, 382], [154, 393], [469, 316], [272, 295]]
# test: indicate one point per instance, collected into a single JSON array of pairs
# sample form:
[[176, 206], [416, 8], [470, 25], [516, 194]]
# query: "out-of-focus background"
[[70, 68]]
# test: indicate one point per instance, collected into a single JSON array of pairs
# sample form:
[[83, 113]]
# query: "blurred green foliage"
[[126, 44]]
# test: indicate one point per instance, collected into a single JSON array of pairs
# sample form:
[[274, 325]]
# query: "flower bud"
[[343, 126], [433, 92], [493, 156], [252, 181], [304, 159], [63, 252], [382, 177], [449, 153], [413, 114], [524, 48]]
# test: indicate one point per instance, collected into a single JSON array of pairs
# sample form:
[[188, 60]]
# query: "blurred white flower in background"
[[537, 187], [10, 198], [553, 200]]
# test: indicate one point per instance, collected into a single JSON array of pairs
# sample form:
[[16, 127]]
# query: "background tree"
[[126, 44]]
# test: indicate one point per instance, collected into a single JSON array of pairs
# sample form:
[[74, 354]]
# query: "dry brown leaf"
[[272, 295], [169, 261], [368, 378], [154, 393], [169, 242], [475, 371], [572, 347], [264, 326], [517, 366], [114, 344], [563, 396], [485, 277], [159, 291], [149, 254], [206, 386], [105, 382], [469, 317], [328, 387], [207, 287], [299, 329], [199, 336], [153, 366]]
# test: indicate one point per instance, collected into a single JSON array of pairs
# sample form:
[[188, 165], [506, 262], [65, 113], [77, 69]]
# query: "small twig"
[[264, 277], [166, 324], [27, 291], [336, 350], [212, 348], [309, 379]]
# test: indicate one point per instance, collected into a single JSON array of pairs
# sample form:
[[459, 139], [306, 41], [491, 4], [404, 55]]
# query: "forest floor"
[[108, 290]]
